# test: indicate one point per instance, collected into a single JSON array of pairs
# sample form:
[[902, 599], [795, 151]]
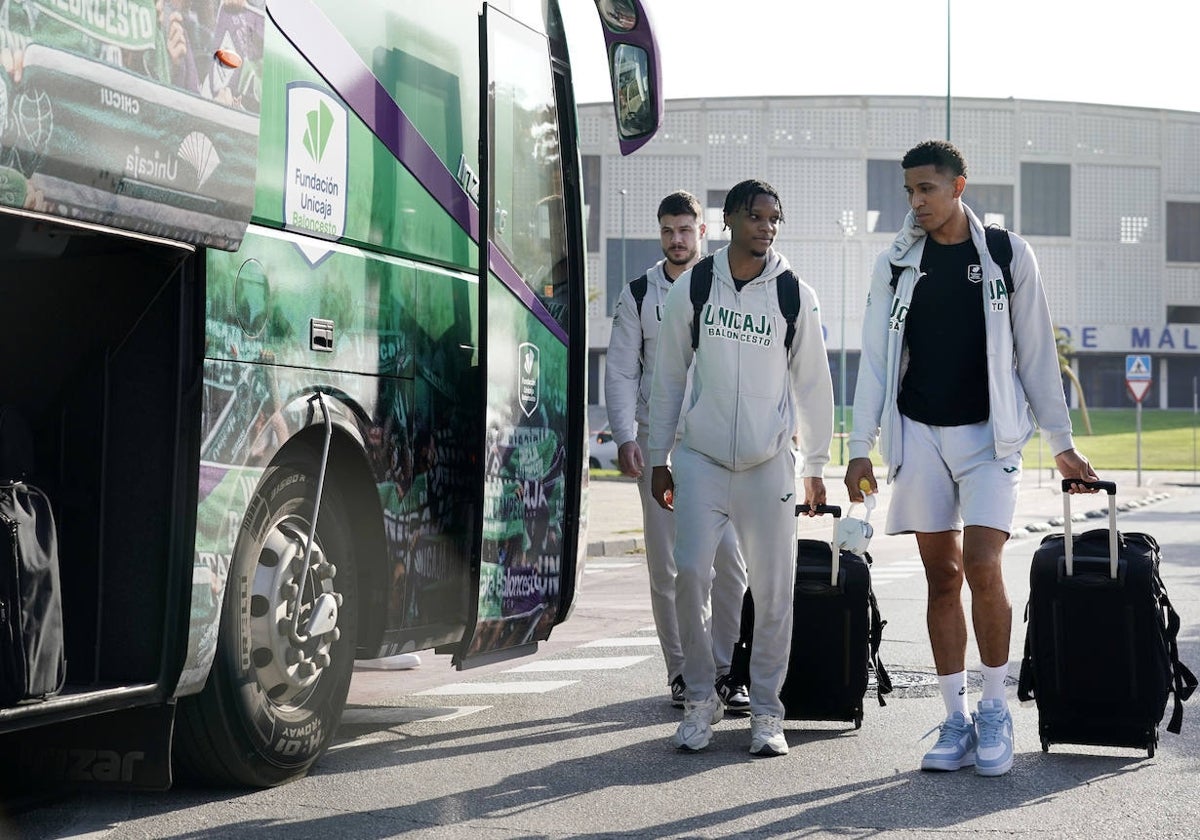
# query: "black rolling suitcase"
[[1101, 656], [836, 633]]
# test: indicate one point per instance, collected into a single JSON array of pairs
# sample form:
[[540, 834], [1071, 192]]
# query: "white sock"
[[954, 693], [993, 682]]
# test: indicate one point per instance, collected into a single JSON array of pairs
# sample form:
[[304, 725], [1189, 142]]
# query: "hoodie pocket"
[[762, 431]]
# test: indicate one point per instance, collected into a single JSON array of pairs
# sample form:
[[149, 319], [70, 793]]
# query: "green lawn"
[[1167, 441]]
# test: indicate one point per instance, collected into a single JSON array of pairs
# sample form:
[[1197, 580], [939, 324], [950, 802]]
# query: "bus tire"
[[285, 651]]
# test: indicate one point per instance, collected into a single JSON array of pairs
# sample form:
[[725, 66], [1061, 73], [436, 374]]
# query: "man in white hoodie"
[[734, 465], [629, 369], [948, 378]]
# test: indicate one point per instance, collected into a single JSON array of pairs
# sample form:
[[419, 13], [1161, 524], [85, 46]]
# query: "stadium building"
[[1109, 198]]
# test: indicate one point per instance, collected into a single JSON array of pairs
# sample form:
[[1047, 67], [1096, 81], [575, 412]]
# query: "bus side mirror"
[[631, 86], [634, 70]]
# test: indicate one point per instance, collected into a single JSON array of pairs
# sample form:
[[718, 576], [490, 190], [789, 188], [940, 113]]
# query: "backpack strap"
[[787, 287], [1000, 247], [1183, 681], [883, 682], [638, 286], [702, 273]]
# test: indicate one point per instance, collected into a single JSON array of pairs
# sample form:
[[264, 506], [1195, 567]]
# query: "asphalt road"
[[573, 743]]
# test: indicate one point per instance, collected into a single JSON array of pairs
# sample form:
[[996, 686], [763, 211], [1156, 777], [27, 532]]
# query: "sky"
[[1143, 54]]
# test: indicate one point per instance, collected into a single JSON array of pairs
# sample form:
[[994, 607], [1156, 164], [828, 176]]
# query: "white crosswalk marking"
[[594, 568], [389, 715], [627, 641], [602, 663], [899, 570], [524, 687]]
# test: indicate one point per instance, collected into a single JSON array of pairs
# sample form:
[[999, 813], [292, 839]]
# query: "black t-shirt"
[[945, 383]]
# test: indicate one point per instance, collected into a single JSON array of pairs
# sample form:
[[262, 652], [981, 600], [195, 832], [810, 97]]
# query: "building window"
[[1133, 229], [1046, 199], [591, 200], [626, 263], [886, 203], [1183, 314], [714, 216], [1183, 231], [992, 203]]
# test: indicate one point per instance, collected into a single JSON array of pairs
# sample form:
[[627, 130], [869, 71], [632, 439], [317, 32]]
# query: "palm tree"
[[1063, 342]]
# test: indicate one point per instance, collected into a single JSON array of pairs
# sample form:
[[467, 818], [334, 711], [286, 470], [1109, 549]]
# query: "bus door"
[[532, 324], [524, 343]]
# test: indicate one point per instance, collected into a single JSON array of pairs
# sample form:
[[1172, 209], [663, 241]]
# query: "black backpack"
[[787, 287], [998, 245]]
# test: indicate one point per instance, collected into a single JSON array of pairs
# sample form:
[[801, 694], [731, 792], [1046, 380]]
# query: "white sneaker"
[[695, 731], [766, 735]]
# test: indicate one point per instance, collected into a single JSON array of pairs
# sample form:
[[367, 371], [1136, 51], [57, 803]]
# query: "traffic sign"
[[1137, 368], [1137, 389]]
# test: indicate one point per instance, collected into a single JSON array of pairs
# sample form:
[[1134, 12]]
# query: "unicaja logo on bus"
[[315, 191], [320, 123]]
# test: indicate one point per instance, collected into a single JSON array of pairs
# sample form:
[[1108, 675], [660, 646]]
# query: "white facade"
[[1109, 198]]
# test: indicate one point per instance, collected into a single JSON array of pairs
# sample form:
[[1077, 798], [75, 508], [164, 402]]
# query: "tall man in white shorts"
[[629, 369], [948, 378], [734, 465]]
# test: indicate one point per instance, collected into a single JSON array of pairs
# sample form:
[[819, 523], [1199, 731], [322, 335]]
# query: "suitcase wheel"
[[858, 721], [1045, 746]]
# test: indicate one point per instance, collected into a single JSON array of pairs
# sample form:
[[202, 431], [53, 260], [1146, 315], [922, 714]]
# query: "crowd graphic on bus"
[[73, 66]]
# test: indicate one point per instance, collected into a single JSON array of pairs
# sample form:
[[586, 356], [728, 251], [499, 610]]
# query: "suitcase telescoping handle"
[[1109, 487], [834, 554]]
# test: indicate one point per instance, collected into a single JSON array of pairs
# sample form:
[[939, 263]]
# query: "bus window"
[[527, 207]]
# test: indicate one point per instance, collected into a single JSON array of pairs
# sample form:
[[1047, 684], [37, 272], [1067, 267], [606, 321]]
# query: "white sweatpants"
[[760, 505], [728, 583]]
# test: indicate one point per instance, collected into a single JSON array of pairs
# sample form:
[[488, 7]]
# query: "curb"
[[1098, 513], [628, 545]]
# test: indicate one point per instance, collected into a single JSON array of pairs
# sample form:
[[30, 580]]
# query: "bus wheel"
[[285, 653]]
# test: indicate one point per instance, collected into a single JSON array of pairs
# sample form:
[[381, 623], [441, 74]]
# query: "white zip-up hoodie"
[[632, 351], [748, 397], [1022, 358]]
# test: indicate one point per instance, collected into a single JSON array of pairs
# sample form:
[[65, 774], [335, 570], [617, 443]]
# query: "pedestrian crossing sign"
[[1137, 368]]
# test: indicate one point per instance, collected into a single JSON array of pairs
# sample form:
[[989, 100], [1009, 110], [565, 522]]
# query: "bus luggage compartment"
[[101, 355]]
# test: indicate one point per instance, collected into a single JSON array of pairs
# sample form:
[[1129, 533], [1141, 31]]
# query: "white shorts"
[[951, 476]]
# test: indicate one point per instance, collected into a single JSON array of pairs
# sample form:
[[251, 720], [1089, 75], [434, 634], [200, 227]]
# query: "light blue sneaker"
[[955, 747], [994, 756]]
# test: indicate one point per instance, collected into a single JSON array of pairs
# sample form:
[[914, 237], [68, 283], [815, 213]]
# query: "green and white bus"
[[294, 305]]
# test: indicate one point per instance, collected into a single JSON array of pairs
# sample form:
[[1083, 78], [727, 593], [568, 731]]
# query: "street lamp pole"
[[947, 71], [624, 267], [846, 223]]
